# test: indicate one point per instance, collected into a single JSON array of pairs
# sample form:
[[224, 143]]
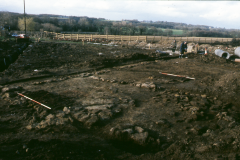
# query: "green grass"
[[11, 38], [175, 31]]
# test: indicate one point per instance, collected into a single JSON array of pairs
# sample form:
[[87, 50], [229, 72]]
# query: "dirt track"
[[117, 105]]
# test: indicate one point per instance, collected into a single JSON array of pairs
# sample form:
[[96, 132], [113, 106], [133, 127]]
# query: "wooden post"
[[121, 41], [205, 40], [146, 38], [114, 38], [91, 37], [63, 36], [211, 40], [84, 37], [107, 37], [70, 36], [137, 38], [77, 37]]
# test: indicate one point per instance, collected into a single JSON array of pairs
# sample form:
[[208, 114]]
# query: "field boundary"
[[91, 37], [146, 38]]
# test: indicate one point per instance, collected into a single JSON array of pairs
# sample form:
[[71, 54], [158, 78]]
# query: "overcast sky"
[[212, 13]]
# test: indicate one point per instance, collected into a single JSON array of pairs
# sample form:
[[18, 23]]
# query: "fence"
[[90, 37], [138, 38]]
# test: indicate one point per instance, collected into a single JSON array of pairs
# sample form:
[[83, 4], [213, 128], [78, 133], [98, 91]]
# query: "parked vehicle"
[[23, 37], [14, 35]]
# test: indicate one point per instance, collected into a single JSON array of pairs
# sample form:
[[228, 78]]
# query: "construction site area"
[[119, 100]]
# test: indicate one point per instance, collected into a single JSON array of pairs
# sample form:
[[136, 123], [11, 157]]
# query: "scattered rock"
[[92, 120], [9, 95], [60, 114], [97, 101], [139, 129], [66, 110], [202, 149], [194, 110], [5, 89], [129, 131], [105, 115], [100, 107], [140, 138], [138, 85], [148, 85], [50, 116]]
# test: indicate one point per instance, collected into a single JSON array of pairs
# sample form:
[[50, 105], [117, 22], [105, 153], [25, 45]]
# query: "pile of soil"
[[113, 102]]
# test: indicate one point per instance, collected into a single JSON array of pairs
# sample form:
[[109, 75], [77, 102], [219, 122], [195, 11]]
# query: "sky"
[[223, 14]]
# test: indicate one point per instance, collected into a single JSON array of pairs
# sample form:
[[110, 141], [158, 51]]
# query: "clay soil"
[[112, 102]]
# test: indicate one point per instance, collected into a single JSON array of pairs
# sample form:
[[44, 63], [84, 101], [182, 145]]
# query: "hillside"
[[60, 23]]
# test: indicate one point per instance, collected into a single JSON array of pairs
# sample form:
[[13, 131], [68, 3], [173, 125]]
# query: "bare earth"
[[112, 102]]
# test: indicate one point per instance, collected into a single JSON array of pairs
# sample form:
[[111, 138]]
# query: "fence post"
[[121, 41], [137, 38], [107, 37], [71, 37], [77, 37], [146, 38], [211, 40], [205, 40], [91, 37], [63, 36], [84, 37]]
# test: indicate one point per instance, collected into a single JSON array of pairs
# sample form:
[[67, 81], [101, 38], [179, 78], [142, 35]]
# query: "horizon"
[[221, 15]]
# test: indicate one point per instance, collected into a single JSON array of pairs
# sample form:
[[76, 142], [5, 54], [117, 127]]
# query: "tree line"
[[58, 23]]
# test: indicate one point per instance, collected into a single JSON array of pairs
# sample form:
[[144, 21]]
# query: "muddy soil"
[[116, 102]]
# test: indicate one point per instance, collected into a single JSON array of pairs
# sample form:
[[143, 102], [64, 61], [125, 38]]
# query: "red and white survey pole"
[[34, 101], [176, 75]]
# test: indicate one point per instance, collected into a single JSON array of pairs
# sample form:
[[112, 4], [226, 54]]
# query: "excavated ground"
[[112, 102]]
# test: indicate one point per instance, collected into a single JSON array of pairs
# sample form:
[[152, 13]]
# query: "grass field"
[[175, 32]]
